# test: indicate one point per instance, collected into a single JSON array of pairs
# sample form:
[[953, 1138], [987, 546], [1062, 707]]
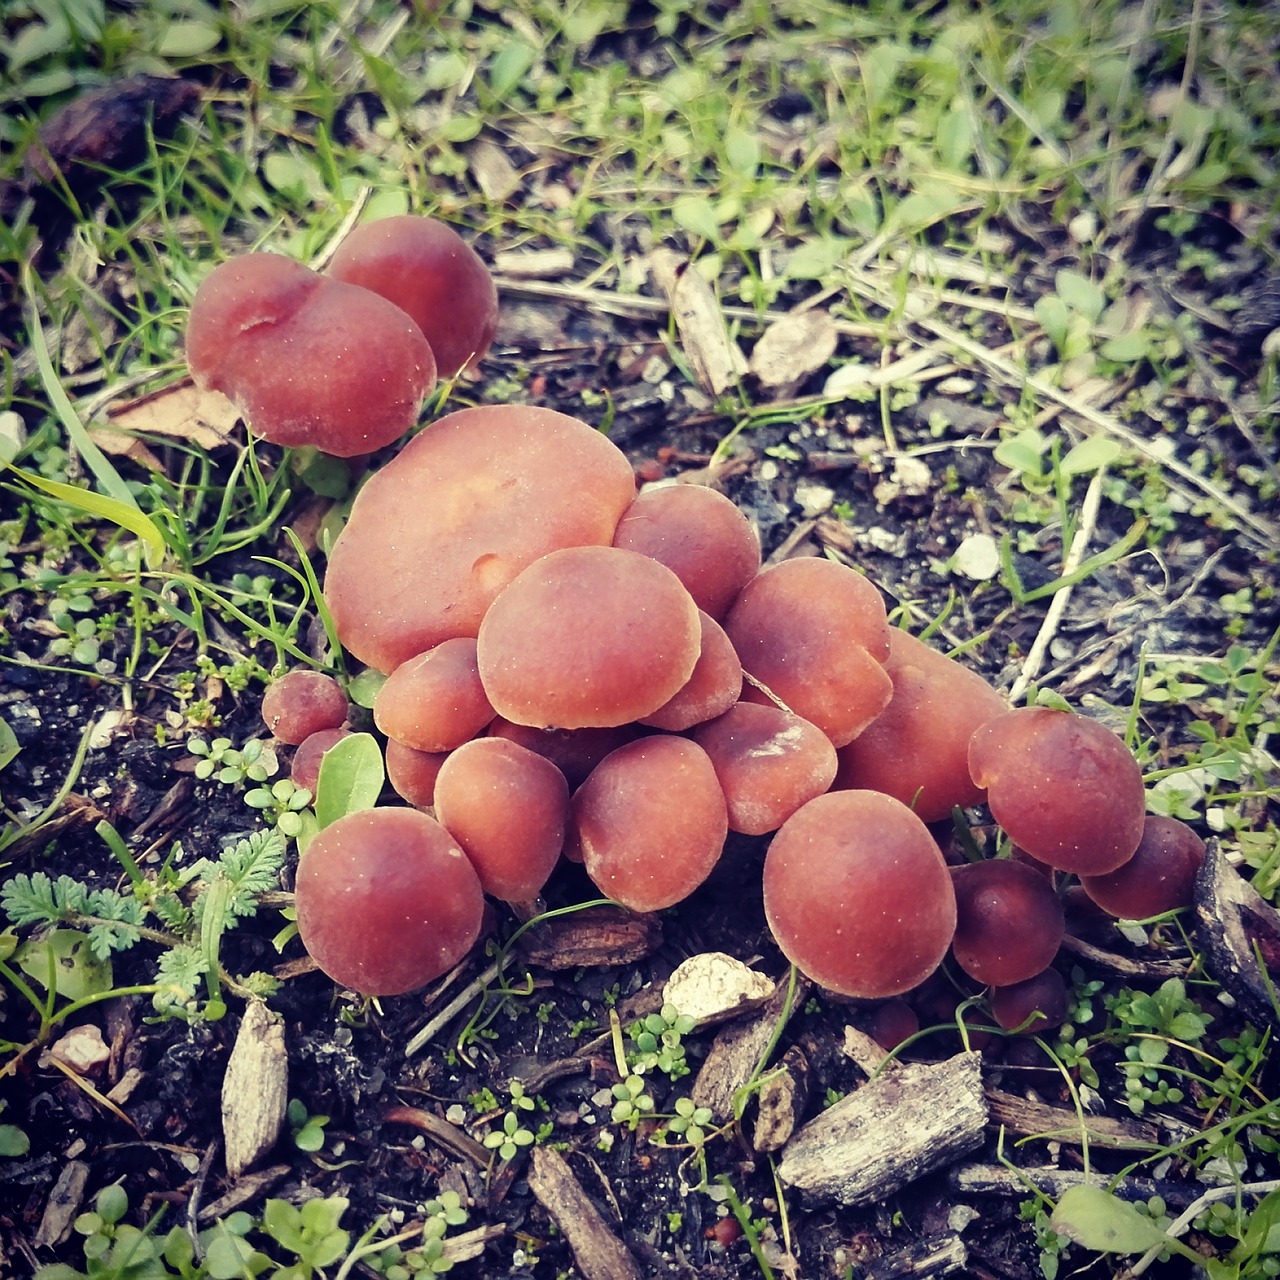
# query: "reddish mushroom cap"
[[432, 274], [1009, 921], [412, 774], [815, 633], [301, 703], [857, 894], [651, 822], [917, 748], [387, 901], [308, 360], [507, 807], [1065, 788], [699, 535], [588, 637], [1160, 877], [769, 762], [439, 531], [714, 686], [435, 701]]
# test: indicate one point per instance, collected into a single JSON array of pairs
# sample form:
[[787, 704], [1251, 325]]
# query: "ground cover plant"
[[976, 302]]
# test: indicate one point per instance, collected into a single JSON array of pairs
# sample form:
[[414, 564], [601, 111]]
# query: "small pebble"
[[977, 557]]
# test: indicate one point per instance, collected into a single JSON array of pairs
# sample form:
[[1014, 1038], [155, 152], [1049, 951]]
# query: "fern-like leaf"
[[250, 868], [179, 970], [35, 899]]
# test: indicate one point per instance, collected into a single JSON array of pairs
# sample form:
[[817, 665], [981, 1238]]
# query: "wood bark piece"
[[717, 362], [1240, 932], [935, 1256], [255, 1090], [735, 1052], [1021, 1115], [600, 1255], [1000, 1180], [893, 1130], [782, 1103], [248, 1189], [441, 1132], [598, 936], [63, 1205]]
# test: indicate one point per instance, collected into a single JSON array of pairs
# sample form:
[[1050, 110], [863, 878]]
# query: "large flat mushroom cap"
[[465, 507]]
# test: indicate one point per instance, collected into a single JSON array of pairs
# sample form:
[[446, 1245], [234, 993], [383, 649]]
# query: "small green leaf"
[[13, 1141], [1091, 455], [1023, 452], [1080, 294], [1126, 348], [188, 39], [364, 688], [8, 744], [1098, 1220], [510, 67], [695, 214], [77, 973], [742, 151], [351, 778]]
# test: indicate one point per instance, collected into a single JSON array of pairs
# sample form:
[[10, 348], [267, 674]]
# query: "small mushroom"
[[387, 901], [815, 634], [306, 359], [1065, 788], [651, 822], [435, 701], [857, 894], [427, 270], [588, 637], [301, 703]]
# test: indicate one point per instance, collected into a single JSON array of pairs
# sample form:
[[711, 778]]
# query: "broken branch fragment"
[[890, 1132]]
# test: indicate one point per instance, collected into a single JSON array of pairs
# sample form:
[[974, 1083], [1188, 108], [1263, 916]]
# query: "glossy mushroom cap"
[[1160, 877], [588, 637], [437, 533], [815, 633], [917, 748], [1009, 921], [387, 901], [857, 894], [427, 270], [1064, 788], [308, 360]]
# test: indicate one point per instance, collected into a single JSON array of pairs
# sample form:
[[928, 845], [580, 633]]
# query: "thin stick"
[[1058, 604], [451, 1010]]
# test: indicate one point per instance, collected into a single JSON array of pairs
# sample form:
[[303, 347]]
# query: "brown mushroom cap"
[[769, 762], [507, 807], [588, 637], [308, 360], [699, 535], [387, 901], [432, 274], [304, 768], [438, 532], [435, 701], [1160, 877], [1065, 788], [714, 686], [302, 702], [857, 894], [1042, 998], [816, 634], [651, 822], [1009, 921], [917, 748], [413, 773]]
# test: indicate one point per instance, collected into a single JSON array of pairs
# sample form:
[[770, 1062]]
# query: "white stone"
[[978, 557], [714, 986]]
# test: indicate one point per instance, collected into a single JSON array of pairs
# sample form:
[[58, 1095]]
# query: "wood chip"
[[794, 347], [936, 1256], [63, 1205], [1021, 1115], [717, 362], [441, 1132], [598, 936], [714, 986], [1000, 1180], [1240, 933], [535, 264], [782, 1102], [255, 1090], [890, 1132], [736, 1051], [249, 1188], [599, 1254]]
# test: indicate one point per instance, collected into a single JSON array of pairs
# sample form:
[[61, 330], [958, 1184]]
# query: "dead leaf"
[[717, 362], [494, 173], [181, 412], [793, 347]]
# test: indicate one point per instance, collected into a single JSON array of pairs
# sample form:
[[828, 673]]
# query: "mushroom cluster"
[[574, 670]]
